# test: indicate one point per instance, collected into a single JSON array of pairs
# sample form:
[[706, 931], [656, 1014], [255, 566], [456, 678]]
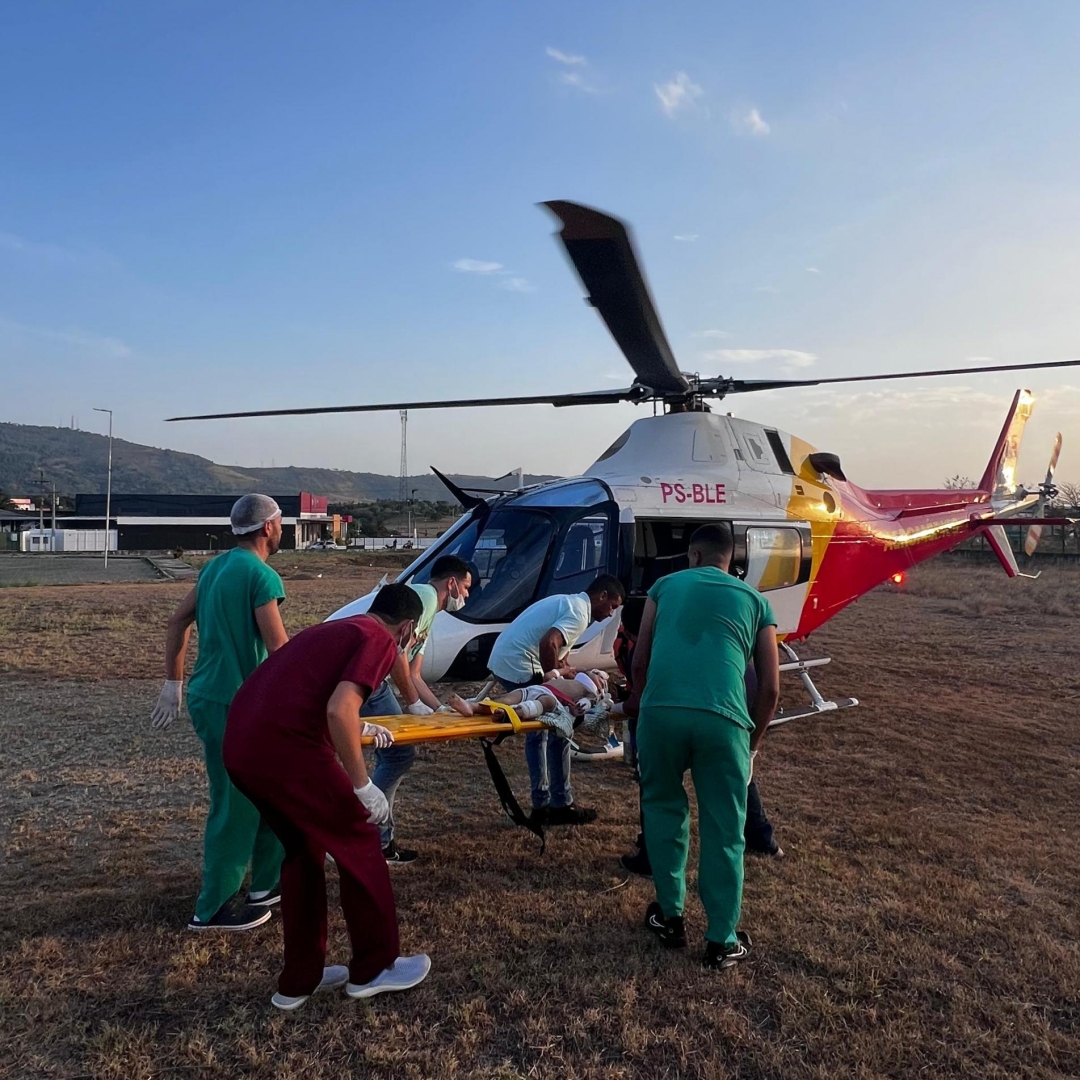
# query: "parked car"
[[325, 545]]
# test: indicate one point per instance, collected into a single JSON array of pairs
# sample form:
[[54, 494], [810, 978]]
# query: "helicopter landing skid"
[[818, 704]]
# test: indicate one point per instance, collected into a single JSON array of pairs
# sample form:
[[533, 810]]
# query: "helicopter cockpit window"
[[773, 558], [506, 552], [583, 493]]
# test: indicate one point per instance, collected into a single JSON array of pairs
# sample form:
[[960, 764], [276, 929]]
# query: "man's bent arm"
[[271, 628], [344, 725], [767, 667], [403, 680], [177, 637], [551, 644], [639, 669], [422, 688]]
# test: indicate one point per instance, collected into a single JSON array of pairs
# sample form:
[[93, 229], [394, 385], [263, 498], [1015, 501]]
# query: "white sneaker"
[[403, 974], [332, 978]]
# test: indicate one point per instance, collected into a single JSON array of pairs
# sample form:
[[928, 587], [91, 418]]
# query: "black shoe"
[[569, 815], [269, 900], [774, 852], [232, 917], [721, 957], [638, 863], [671, 933], [396, 856]]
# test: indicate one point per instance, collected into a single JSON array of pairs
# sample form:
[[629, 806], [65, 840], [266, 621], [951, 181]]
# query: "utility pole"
[[53, 544], [403, 482], [108, 487], [41, 510]]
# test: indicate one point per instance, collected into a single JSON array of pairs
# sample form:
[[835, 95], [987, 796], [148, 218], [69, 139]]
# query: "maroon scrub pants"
[[306, 797]]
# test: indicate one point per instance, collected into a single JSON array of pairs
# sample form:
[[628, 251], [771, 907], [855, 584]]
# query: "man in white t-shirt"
[[531, 648]]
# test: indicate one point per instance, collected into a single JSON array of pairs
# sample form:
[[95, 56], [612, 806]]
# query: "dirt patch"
[[924, 922]]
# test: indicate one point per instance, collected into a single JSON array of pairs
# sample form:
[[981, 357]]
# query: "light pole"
[[412, 497], [108, 487]]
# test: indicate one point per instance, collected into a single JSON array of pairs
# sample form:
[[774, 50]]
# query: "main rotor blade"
[[746, 386], [596, 397], [603, 254]]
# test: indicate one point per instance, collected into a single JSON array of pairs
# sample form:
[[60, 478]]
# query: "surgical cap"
[[251, 512]]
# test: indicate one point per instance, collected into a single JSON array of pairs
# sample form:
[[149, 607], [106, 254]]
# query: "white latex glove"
[[383, 736], [418, 708], [753, 754], [374, 802], [167, 708]]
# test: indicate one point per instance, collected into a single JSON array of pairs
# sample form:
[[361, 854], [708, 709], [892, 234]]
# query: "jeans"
[[391, 763], [548, 758]]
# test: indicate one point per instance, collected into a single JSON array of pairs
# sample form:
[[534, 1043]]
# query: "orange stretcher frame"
[[438, 727]]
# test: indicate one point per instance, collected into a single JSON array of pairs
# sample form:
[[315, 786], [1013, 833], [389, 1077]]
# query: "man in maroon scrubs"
[[293, 747]]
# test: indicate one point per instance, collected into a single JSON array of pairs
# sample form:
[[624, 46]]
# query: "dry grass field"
[[924, 923]]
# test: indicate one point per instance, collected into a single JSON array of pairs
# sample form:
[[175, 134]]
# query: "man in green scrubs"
[[699, 632], [234, 606]]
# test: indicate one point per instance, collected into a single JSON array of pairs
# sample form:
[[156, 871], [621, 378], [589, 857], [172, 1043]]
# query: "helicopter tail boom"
[[999, 479]]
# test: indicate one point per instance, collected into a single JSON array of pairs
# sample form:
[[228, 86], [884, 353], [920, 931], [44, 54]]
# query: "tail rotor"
[[1047, 494]]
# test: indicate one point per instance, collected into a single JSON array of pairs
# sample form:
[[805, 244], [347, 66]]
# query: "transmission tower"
[[403, 482]]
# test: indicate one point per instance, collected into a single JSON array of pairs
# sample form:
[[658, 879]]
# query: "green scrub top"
[[707, 622], [230, 588]]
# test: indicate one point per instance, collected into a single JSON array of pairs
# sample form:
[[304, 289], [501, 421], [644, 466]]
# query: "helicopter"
[[805, 535]]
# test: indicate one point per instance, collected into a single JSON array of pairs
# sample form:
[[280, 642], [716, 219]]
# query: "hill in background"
[[77, 461]]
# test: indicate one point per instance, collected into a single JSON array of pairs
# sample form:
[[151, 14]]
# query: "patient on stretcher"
[[574, 696]]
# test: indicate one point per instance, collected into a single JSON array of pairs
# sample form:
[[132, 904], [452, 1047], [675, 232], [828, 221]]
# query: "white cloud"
[[713, 333], [749, 122], [678, 94], [578, 81], [517, 284], [771, 289], [812, 270], [564, 58], [477, 266], [686, 238], [791, 358]]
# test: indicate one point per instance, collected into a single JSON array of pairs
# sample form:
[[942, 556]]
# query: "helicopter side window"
[[583, 554], [773, 558]]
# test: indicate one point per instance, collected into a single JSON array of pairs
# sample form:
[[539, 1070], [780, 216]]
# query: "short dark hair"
[[449, 566], [396, 604], [715, 542], [633, 609], [608, 583]]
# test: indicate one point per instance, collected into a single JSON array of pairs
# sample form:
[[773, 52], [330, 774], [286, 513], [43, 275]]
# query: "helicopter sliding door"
[[773, 557]]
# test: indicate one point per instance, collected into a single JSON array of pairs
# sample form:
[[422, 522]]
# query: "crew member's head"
[[452, 579], [606, 594], [398, 608], [712, 545], [256, 519]]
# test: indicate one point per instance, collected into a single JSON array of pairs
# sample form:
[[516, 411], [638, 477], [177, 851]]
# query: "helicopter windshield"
[[506, 551]]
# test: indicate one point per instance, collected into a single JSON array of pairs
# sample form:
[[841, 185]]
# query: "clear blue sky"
[[210, 206]]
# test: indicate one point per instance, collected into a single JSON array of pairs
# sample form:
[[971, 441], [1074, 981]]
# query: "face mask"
[[454, 603], [405, 640]]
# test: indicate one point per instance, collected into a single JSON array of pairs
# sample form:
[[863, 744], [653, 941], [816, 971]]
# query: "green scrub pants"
[[717, 753], [236, 835]]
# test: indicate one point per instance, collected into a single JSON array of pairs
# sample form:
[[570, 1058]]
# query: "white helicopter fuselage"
[[662, 472]]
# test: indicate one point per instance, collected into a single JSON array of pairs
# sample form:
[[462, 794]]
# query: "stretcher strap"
[[511, 712], [506, 795]]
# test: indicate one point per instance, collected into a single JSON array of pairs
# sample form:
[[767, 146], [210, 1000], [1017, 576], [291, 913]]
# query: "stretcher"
[[439, 726]]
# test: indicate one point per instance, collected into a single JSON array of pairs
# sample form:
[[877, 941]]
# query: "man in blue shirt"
[[534, 646]]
